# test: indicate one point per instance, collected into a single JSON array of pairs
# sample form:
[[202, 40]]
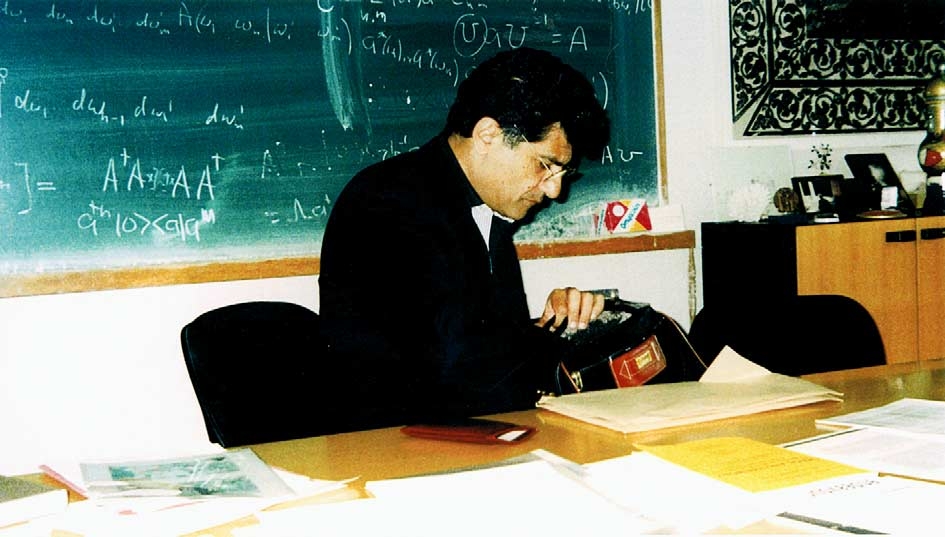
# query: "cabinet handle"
[[900, 236], [932, 233]]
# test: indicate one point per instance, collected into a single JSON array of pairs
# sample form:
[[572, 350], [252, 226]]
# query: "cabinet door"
[[931, 277], [873, 263]]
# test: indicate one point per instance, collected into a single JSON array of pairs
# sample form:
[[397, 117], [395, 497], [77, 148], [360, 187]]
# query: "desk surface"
[[386, 453]]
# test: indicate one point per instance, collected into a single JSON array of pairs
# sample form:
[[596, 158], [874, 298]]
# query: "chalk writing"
[[158, 178], [96, 107], [182, 128], [198, 21], [312, 212], [146, 110], [472, 33], [4, 72], [147, 21], [106, 21], [226, 119], [59, 15], [386, 46], [302, 212], [266, 30], [622, 155], [163, 226], [12, 12], [23, 102], [30, 188]]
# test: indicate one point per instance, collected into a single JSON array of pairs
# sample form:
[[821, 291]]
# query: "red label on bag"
[[639, 364]]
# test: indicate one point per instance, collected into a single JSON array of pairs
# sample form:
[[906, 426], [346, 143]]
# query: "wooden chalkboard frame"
[[54, 282], [103, 280]]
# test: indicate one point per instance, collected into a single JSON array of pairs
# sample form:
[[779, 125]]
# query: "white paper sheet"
[[918, 416], [531, 498], [880, 450]]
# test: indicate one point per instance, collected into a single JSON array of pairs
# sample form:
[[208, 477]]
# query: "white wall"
[[100, 374]]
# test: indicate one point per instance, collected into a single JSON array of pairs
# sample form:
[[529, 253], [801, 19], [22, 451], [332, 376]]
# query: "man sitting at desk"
[[422, 302]]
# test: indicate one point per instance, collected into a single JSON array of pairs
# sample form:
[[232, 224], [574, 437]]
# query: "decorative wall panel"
[[832, 66]]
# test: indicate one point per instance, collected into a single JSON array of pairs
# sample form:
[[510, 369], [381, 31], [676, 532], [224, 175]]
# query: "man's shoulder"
[[421, 172]]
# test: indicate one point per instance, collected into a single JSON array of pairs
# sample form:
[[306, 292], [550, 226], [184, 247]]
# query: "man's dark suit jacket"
[[422, 320]]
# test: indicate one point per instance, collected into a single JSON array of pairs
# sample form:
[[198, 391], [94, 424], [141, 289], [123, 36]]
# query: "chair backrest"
[[806, 334], [254, 369]]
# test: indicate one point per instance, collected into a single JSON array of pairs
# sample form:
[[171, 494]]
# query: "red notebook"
[[475, 430]]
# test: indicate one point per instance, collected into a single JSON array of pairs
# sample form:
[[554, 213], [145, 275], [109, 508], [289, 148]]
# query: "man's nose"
[[551, 186]]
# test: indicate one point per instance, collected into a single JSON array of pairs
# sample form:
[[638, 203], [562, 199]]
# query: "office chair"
[[798, 336], [253, 367]]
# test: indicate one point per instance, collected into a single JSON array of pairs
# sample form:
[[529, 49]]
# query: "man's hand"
[[578, 307]]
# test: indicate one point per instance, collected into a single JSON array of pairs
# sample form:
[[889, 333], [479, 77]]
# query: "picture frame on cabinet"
[[876, 172], [817, 193]]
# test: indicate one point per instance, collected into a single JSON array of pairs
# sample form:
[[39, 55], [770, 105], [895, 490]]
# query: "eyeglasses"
[[565, 172]]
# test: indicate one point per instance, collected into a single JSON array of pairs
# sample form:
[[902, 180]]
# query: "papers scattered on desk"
[[542, 495], [906, 438], [732, 386], [733, 482], [918, 416], [881, 450], [717, 483]]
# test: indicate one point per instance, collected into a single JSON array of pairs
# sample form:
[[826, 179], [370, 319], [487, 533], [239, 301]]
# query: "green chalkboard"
[[149, 132]]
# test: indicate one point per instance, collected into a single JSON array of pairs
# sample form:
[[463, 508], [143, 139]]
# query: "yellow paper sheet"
[[749, 464]]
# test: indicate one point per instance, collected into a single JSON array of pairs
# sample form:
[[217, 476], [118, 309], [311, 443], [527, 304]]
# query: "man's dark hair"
[[526, 91]]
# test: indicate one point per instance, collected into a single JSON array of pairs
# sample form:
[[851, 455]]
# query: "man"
[[422, 302]]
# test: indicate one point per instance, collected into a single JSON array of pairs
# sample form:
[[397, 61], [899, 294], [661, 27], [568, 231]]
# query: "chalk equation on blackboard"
[[145, 132], [157, 227], [29, 186]]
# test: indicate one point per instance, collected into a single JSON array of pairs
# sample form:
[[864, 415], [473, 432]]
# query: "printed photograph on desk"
[[233, 473]]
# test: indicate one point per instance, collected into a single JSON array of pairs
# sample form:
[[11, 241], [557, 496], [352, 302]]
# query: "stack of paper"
[[906, 437], [732, 386]]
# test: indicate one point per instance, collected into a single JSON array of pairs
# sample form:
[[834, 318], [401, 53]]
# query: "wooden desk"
[[386, 453]]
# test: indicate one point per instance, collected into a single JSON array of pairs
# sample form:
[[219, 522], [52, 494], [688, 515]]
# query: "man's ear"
[[486, 133]]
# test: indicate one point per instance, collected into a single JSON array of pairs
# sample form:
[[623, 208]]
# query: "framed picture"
[[876, 172], [817, 193]]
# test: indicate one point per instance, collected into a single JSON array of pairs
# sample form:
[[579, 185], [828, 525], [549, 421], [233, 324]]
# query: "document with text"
[[919, 416], [881, 450]]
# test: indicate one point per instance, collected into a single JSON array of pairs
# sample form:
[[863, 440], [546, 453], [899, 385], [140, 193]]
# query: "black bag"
[[628, 345]]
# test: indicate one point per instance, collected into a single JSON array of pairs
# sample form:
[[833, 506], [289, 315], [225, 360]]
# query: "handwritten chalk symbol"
[[29, 189], [58, 15], [4, 72], [267, 31], [198, 21]]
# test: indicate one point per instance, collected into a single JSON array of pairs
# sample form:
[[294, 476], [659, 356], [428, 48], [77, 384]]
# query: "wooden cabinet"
[[894, 268], [930, 272]]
